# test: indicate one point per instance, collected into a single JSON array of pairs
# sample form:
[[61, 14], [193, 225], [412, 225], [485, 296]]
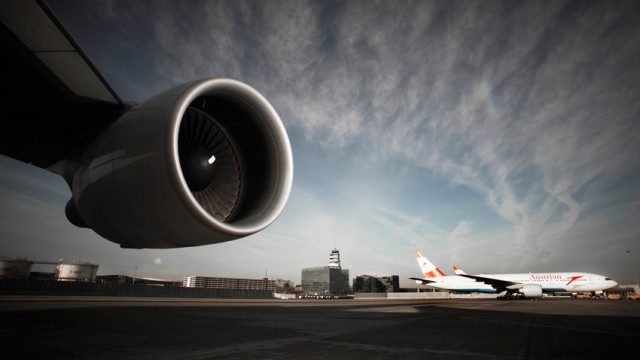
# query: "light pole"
[[634, 267], [135, 273]]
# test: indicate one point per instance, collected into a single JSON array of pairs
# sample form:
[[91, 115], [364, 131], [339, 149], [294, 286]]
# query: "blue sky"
[[497, 136]]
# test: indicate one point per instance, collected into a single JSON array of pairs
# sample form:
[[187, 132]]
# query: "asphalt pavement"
[[161, 328]]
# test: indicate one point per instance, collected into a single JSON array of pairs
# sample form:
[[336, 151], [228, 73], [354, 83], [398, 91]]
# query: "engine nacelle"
[[202, 163], [531, 291]]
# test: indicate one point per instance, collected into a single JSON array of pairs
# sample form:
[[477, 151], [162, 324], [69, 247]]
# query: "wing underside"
[[497, 284], [423, 280], [52, 97]]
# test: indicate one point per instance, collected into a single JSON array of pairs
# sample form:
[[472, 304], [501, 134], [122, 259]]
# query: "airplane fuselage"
[[549, 282]]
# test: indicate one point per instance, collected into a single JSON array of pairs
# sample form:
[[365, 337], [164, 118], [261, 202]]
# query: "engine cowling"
[[202, 163], [531, 291]]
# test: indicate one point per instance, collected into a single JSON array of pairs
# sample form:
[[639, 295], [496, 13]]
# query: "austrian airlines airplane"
[[526, 285]]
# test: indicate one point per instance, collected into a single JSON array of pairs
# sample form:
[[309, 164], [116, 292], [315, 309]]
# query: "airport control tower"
[[334, 259]]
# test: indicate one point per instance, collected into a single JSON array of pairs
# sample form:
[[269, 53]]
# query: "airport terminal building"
[[326, 280]]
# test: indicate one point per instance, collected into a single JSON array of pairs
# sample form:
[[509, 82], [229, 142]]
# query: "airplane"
[[512, 286], [201, 163]]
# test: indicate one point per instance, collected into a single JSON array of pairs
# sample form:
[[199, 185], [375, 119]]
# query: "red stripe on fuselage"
[[573, 278]]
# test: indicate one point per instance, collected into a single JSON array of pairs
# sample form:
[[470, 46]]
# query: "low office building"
[[284, 286], [376, 283], [228, 283]]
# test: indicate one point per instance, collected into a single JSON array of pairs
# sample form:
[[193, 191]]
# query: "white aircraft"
[[524, 285]]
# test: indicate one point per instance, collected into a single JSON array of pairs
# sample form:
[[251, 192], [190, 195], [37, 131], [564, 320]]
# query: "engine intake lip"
[[280, 160]]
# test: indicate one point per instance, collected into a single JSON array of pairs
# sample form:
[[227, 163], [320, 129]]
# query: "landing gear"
[[511, 296]]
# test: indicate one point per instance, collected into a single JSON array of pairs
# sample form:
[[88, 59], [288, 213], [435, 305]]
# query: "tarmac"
[[167, 328]]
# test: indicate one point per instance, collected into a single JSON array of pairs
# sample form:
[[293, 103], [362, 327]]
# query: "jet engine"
[[202, 163], [531, 291]]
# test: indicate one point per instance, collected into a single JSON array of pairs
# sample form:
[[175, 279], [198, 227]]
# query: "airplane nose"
[[613, 283]]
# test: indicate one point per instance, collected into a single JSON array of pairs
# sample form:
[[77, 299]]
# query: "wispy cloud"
[[519, 103], [533, 106]]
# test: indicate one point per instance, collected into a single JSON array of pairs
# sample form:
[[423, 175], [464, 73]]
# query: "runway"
[[161, 328]]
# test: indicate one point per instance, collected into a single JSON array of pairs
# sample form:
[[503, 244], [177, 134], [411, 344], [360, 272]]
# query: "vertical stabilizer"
[[428, 269], [458, 270]]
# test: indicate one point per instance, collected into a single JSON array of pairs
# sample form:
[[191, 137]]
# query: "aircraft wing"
[[53, 98], [143, 176], [423, 280], [499, 285]]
